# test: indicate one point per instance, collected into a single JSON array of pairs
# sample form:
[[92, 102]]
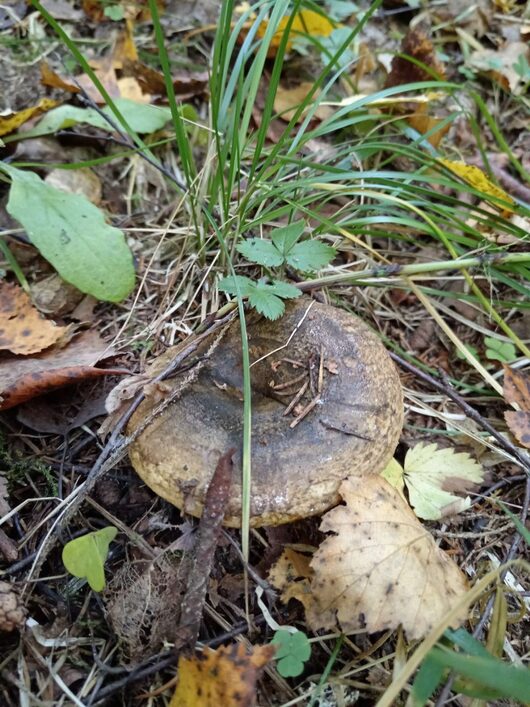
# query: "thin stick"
[[283, 346]]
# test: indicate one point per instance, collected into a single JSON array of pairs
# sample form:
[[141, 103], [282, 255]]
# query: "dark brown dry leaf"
[[417, 45], [22, 328], [52, 415], [519, 423], [24, 378], [516, 388], [207, 537]]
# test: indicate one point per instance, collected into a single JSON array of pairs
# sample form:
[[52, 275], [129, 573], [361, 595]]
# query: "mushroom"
[[326, 404]]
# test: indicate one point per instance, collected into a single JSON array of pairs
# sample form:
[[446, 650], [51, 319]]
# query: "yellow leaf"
[[476, 178], [381, 568], [393, 473], [226, 676], [305, 23], [9, 123]]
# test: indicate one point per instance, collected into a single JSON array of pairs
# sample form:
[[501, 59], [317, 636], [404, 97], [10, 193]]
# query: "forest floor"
[[395, 137]]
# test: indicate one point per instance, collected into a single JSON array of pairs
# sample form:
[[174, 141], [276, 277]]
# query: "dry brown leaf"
[[76, 181], [516, 390], [10, 123], [55, 296], [49, 77], [23, 330], [499, 64], [24, 378], [382, 568], [287, 101], [226, 676], [417, 45]]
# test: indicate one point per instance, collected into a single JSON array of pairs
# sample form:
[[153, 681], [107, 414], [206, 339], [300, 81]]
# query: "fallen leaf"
[[516, 387], [23, 330], [305, 23], [76, 181], [381, 568], [85, 557], [287, 101], [55, 296], [49, 77], [516, 390], [431, 474], [62, 10], [291, 574], [10, 123], [22, 379], [226, 676], [500, 65], [418, 46], [55, 415], [422, 65], [476, 178], [207, 538]]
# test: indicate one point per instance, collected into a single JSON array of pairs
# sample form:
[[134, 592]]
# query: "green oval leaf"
[[85, 556], [71, 233]]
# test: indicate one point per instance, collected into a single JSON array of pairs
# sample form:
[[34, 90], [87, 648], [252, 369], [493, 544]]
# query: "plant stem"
[[414, 269]]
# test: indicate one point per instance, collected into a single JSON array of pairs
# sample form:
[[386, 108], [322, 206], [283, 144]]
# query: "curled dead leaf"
[[24, 378]]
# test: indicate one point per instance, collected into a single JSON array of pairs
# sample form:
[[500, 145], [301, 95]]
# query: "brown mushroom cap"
[[352, 429]]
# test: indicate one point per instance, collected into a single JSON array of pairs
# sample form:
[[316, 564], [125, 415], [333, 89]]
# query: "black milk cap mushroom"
[[326, 406]]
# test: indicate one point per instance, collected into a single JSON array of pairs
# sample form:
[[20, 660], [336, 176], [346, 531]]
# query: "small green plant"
[[85, 557], [479, 674], [503, 351], [283, 248], [114, 12], [292, 651]]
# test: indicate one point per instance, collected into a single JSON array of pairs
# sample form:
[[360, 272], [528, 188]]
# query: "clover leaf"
[[292, 651]]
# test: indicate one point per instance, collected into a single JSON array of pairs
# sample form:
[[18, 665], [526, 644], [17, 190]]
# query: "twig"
[[305, 412]]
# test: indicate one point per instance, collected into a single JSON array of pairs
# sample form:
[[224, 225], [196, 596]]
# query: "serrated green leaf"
[[261, 251], [292, 651], [393, 473], [228, 284], [284, 238], [71, 233], [429, 474], [308, 256], [85, 556], [265, 302], [141, 117], [284, 290]]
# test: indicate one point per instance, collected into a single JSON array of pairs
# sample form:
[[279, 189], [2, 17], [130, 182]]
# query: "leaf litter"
[[299, 570]]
